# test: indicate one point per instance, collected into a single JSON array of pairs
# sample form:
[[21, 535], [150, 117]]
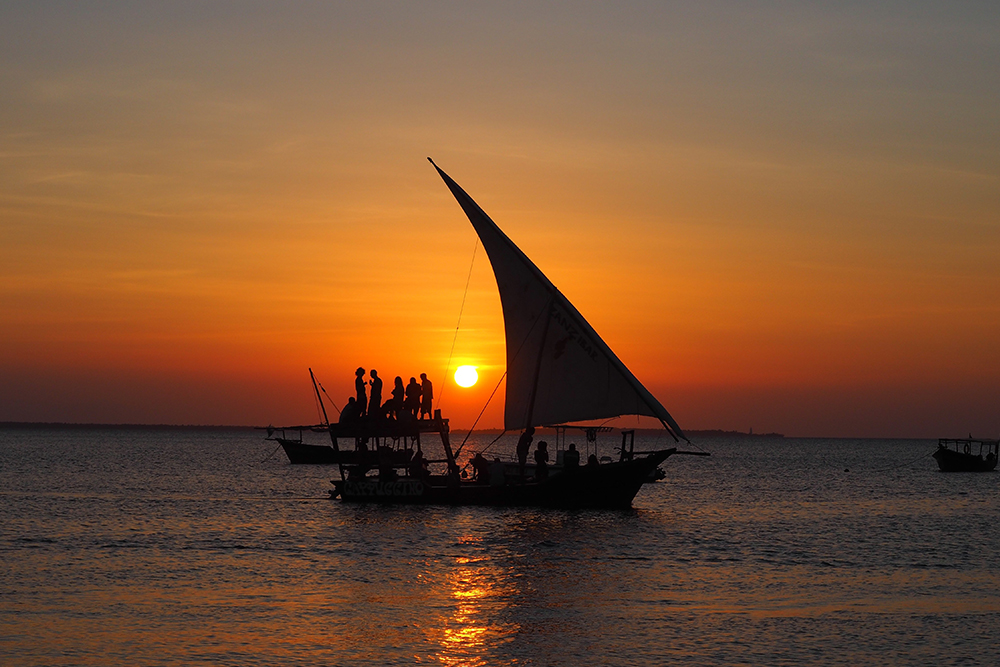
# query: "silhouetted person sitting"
[[375, 402], [542, 461], [592, 461], [411, 403], [481, 467], [523, 447], [498, 472], [419, 466], [396, 402], [350, 412], [358, 472], [359, 389], [426, 396], [571, 458]]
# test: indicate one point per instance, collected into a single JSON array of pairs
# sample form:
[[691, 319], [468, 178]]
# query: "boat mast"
[[326, 420], [322, 406]]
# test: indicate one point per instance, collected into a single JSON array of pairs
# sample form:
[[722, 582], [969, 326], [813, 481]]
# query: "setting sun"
[[466, 376]]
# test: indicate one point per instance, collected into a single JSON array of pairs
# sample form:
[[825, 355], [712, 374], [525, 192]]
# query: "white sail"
[[558, 368]]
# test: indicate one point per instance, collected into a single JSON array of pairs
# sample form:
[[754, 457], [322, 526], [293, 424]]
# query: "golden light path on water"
[[479, 591]]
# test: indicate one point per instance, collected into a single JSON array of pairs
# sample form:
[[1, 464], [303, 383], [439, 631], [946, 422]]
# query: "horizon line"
[[206, 427]]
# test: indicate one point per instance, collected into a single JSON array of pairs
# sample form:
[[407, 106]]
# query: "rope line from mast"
[[272, 453], [328, 396], [897, 466], [461, 309], [486, 448], [459, 450], [495, 440], [319, 410]]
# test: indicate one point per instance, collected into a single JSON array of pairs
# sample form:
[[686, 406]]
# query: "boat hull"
[[305, 453], [607, 486], [951, 461]]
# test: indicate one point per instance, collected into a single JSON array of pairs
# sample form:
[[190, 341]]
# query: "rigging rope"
[[319, 408], [459, 450], [495, 440], [898, 465], [328, 396], [461, 308], [486, 448], [272, 453]]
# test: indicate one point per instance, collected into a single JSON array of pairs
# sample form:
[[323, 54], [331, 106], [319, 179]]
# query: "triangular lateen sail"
[[558, 368]]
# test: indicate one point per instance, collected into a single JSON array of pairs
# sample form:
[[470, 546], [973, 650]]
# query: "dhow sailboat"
[[559, 370]]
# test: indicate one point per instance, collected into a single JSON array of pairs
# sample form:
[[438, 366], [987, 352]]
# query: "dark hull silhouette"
[[951, 460], [301, 452], [305, 453], [605, 486]]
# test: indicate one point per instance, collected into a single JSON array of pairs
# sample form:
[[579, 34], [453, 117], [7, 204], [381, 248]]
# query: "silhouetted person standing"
[[375, 403], [523, 447], [542, 461], [481, 467], [396, 403], [571, 458], [412, 402], [426, 396], [359, 389]]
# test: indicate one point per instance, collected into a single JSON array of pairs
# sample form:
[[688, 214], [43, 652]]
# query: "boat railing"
[[972, 446], [272, 430]]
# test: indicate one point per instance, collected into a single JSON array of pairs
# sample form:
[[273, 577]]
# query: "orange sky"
[[779, 218]]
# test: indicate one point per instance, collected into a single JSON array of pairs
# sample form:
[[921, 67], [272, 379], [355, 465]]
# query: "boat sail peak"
[[559, 369]]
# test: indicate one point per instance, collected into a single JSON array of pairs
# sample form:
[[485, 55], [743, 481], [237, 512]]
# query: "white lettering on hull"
[[369, 488]]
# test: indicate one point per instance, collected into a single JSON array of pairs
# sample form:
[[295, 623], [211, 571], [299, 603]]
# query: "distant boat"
[[392, 441], [300, 452], [559, 370], [967, 454]]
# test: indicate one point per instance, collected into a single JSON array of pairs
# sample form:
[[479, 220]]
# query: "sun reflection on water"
[[478, 592]]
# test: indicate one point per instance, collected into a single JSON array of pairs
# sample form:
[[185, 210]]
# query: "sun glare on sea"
[[466, 376]]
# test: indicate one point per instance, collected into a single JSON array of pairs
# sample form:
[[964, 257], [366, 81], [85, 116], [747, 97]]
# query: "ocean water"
[[179, 547]]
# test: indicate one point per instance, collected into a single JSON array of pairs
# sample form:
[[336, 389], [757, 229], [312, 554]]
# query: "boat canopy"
[[558, 368]]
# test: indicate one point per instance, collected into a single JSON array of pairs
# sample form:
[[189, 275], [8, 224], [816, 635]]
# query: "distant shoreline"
[[134, 427], [739, 434], [230, 427], [649, 431]]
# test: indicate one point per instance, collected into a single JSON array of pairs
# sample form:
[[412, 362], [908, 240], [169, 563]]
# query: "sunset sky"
[[783, 217]]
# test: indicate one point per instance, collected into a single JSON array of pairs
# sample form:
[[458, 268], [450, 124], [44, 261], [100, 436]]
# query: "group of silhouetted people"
[[571, 460], [412, 402], [492, 472]]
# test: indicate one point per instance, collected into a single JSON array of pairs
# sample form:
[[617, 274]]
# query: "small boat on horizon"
[[967, 454]]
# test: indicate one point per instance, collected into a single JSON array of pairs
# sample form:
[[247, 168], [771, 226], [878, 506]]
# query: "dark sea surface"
[[177, 547]]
